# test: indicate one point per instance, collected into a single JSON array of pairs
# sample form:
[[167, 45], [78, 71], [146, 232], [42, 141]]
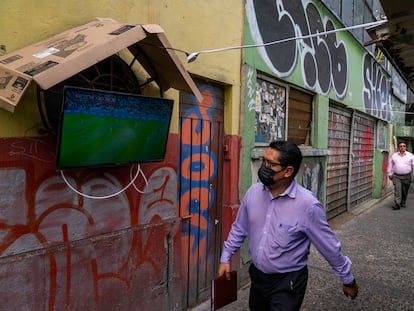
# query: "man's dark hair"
[[290, 154]]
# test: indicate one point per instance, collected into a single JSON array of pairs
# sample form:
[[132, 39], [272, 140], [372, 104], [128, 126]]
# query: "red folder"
[[223, 291]]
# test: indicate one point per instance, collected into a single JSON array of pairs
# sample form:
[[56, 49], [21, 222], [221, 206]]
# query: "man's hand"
[[224, 268], [351, 290]]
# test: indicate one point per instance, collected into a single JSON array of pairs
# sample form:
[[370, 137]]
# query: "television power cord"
[[131, 183]]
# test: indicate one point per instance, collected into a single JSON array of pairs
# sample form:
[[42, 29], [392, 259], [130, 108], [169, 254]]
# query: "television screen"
[[101, 128]]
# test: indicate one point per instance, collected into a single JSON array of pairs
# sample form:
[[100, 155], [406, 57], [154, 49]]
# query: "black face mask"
[[265, 175]]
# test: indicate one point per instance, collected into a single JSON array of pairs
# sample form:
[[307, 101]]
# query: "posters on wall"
[[270, 111]]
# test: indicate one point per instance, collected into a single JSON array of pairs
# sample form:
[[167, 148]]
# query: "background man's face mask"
[[265, 175]]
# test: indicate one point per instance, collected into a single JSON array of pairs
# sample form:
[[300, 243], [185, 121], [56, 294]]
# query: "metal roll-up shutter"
[[339, 145], [362, 159]]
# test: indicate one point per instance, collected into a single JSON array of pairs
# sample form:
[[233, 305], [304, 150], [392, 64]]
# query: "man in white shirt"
[[400, 171]]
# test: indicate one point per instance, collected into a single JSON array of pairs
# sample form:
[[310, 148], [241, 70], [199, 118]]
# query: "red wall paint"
[[231, 169], [61, 251]]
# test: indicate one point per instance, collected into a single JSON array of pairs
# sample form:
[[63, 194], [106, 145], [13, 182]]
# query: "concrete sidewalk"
[[380, 243]]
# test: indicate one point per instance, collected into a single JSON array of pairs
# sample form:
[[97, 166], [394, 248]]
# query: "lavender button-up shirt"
[[280, 230]]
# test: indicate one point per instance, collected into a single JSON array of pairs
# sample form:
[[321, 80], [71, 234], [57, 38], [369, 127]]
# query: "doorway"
[[200, 189]]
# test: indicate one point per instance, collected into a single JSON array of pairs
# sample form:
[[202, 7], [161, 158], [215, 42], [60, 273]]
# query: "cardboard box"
[[58, 58], [12, 86]]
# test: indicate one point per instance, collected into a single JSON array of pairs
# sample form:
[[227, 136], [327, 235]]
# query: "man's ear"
[[289, 171]]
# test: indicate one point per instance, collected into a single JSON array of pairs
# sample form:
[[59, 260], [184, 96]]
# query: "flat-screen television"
[[101, 128]]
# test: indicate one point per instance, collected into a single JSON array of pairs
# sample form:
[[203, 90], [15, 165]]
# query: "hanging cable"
[[110, 195], [145, 179]]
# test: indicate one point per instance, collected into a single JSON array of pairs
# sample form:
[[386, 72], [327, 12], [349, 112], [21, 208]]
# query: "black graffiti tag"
[[376, 90], [275, 24], [323, 58]]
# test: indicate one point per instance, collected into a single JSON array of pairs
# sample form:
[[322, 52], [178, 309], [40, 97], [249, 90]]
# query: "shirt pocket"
[[285, 235]]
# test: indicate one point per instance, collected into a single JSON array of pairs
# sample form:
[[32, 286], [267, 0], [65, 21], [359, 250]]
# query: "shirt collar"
[[290, 191]]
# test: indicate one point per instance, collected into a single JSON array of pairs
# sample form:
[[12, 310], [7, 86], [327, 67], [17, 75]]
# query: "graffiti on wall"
[[363, 139], [270, 111], [87, 254], [198, 167], [323, 58], [381, 135], [251, 89], [311, 176], [376, 89]]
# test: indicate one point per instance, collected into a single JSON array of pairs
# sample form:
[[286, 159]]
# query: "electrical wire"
[[132, 182], [193, 56], [145, 179]]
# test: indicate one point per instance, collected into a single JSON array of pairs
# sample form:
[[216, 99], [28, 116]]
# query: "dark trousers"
[[401, 187], [277, 291]]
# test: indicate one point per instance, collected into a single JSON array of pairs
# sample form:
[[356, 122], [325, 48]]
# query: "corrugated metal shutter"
[[361, 185], [339, 136]]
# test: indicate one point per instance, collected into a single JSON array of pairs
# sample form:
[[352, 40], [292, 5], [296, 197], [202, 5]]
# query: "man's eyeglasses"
[[402, 146], [269, 163]]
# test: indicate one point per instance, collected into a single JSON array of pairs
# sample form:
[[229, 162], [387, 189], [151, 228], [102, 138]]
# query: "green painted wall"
[[320, 124], [361, 70]]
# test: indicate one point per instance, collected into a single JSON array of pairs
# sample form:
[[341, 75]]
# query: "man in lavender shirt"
[[281, 219], [400, 171]]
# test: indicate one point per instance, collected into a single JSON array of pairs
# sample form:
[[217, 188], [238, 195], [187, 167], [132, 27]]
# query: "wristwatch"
[[352, 284]]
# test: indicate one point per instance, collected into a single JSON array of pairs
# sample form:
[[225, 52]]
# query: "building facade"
[[311, 80], [154, 245]]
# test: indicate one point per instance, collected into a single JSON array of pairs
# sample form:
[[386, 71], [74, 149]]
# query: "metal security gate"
[[361, 183], [200, 190], [339, 136]]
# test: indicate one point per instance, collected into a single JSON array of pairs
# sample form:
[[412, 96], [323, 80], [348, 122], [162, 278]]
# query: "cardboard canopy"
[[58, 58]]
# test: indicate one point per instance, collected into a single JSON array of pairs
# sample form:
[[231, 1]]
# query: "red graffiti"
[[78, 253]]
